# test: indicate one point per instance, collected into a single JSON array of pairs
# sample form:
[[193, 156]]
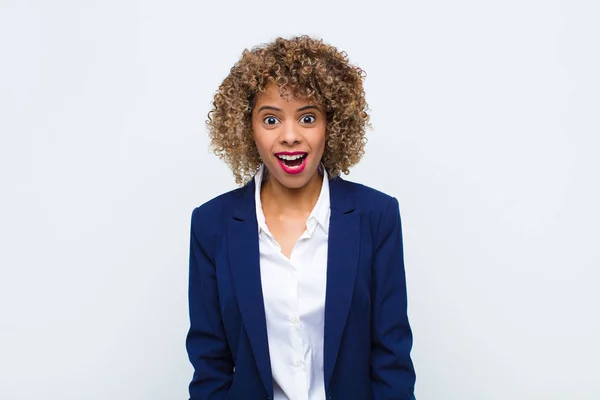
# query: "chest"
[[294, 285], [286, 232]]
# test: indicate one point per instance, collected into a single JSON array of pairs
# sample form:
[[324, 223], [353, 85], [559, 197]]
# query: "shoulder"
[[380, 210], [209, 218], [366, 198], [215, 207]]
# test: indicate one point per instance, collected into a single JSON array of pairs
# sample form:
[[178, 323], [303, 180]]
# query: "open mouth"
[[292, 161]]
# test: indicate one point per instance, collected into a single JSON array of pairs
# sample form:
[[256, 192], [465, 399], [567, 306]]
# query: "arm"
[[206, 344], [392, 371]]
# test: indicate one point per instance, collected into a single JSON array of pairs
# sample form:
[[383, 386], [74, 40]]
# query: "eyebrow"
[[280, 110]]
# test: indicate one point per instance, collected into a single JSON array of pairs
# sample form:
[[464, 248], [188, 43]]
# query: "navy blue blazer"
[[368, 338]]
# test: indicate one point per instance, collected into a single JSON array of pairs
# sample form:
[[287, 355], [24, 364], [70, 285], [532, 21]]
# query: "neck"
[[283, 200]]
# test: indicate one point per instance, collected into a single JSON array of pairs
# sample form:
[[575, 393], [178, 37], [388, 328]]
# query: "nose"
[[290, 134]]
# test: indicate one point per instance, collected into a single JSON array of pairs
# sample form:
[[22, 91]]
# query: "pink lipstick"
[[292, 162]]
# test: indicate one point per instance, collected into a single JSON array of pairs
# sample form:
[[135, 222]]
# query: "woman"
[[297, 287]]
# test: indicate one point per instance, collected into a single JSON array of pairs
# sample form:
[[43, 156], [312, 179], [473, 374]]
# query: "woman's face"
[[290, 136]]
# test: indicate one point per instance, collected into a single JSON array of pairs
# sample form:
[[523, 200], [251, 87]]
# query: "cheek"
[[320, 140], [263, 143], [258, 139], [260, 146]]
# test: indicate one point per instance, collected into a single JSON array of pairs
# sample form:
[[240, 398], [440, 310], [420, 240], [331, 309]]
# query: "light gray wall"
[[486, 124]]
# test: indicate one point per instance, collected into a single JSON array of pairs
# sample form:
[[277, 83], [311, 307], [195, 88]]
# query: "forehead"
[[281, 95]]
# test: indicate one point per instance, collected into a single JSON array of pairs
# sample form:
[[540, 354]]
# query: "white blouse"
[[294, 297]]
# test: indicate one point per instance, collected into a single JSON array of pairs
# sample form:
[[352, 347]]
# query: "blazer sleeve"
[[392, 371], [206, 343]]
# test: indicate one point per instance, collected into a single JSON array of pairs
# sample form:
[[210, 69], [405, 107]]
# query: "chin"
[[294, 181]]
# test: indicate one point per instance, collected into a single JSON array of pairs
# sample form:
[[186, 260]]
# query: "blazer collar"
[[244, 205]]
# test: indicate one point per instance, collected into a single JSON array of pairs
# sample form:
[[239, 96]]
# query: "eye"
[[270, 120], [308, 119]]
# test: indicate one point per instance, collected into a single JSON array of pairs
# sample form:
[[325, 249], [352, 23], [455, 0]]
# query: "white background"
[[486, 124]]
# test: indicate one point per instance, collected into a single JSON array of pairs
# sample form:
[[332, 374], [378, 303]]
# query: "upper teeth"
[[294, 157]]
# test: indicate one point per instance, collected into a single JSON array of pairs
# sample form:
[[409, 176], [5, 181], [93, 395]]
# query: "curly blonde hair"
[[308, 69]]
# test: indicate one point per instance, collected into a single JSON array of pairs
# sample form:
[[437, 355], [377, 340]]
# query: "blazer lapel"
[[244, 259], [342, 262]]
